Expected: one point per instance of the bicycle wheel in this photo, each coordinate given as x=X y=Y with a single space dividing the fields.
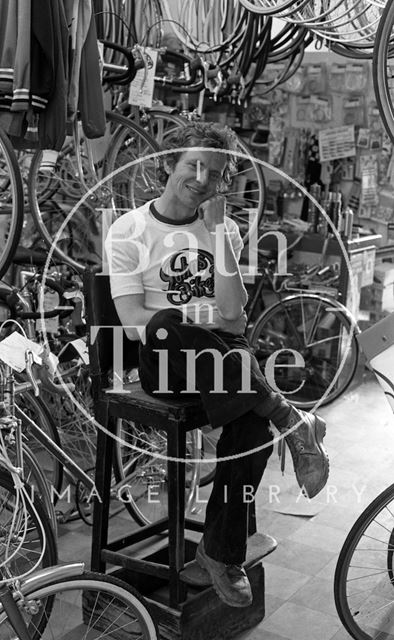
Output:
x=364 y=579
x=141 y=475
x=81 y=165
x=88 y=606
x=34 y=476
x=74 y=425
x=246 y=195
x=160 y=124
x=134 y=149
x=318 y=331
x=383 y=67
x=11 y=203
x=28 y=544
x=36 y=410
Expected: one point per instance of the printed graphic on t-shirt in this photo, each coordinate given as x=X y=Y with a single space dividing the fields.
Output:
x=188 y=272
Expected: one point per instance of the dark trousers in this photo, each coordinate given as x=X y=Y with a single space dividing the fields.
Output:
x=228 y=399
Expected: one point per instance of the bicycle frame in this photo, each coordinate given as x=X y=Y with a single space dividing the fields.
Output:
x=57 y=452
x=335 y=305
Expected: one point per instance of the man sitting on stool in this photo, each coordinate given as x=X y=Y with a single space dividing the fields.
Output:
x=174 y=271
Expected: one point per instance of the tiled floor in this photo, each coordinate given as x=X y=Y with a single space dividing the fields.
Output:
x=299 y=574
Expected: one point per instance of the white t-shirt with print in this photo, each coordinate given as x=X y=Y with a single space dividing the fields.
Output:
x=171 y=263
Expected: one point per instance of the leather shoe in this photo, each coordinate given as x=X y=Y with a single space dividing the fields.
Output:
x=229 y=580
x=305 y=441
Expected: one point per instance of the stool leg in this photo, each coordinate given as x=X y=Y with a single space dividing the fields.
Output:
x=103 y=486
x=252 y=521
x=176 y=448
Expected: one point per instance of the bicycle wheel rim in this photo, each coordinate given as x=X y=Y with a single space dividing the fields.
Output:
x=89 y=606
x=27 y=557
x=363 y=582
x=11 y=203
x=141 y=475
x=321 y=376
x=37 y=410
x=382 y=81
x=134 y=149
x=35 y=478
x=80 y=243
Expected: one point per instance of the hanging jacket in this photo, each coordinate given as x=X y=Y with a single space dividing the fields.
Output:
x=84 y=88
x=78 y=15
x=33 y=66
x=14 y=54
x=49 y=70
x=91 y=101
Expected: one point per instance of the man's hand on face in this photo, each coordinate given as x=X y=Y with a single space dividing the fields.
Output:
x=212 y=211
x=237 y=327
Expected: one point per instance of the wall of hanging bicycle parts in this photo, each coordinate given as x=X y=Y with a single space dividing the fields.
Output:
x=308 y=95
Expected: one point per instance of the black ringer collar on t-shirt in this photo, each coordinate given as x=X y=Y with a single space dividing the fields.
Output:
x=161 y=218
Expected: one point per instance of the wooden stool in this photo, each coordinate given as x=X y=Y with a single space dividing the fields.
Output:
x=145 y=560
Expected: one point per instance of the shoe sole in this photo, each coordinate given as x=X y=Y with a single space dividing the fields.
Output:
x=204 y=565
x=320 y=430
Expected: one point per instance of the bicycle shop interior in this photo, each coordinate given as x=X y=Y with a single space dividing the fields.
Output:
x=89 y=91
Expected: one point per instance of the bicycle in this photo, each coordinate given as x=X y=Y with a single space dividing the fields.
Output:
x=57 y=600
x=364 y=575
x=82 y=165
x=64 y=600
x=306 y=319
x=382 y=68
x=73 y=454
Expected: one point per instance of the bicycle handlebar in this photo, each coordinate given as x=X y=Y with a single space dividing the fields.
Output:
x=122 y=75
x=44 y=315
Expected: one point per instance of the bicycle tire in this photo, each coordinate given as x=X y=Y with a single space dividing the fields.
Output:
x=11 y=203
x=284 y=326
x=382 y=80
x=52 y=196
x=34 y=476
x=160 y=124
x=364 y=609
x=246 y=191
x=101 y=605
x=76 y=430
x=25 y=559
x=142 y=477
x=37 y=410
x=137 y=183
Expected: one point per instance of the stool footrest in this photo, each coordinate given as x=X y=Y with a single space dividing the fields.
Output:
x=204 y=617
x=259 y=546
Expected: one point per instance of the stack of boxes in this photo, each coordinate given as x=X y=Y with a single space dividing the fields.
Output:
x=377 y=299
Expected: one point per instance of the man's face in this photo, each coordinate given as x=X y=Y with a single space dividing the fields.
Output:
x=196 y=176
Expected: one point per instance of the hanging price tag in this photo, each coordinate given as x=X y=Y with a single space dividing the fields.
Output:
x=142 y=86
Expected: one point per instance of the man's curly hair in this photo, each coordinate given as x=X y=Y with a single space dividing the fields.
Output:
x=200 y=134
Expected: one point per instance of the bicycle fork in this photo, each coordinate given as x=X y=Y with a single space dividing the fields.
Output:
x=13 y=612
x=12 y=606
